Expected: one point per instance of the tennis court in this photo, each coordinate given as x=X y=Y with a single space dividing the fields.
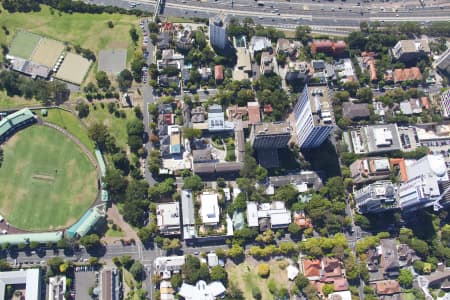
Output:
x=73 y=68
x=47 y=52
x=23 y=44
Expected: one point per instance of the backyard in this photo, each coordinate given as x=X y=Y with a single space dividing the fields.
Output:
x=246 y=278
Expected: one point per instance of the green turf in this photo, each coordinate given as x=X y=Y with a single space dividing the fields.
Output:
x=71 y=123
x=117 y=126
x=47 y=182
x=23 y=44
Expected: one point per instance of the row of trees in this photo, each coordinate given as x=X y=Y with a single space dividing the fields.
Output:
x=48 y=92
x=68 y=6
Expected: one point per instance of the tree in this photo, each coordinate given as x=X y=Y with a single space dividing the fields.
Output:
x=4 y=265
x=365 y=95
x=191 y=133
x=137 y=270
x=263 y=270
x=99 y=134
x=235 y=251
x=294 y=229
x=193 y=182
x=351 y=87
x=135 y=127
x=302 y=32
x=301 y=281
x=83 y=110
x=115 y=183
x=218 y=273
x=125 y=79
x=103 y=81
x=327 y=289
x=249 y=168
x=287 y=194
x=176 y=280
x=234 y=293
x=134 y=35
x=135 y=142
x=445 y=234
x=261 y=173
x=90 y=241
x=256 y=293
x=121 y=162
x=126 y=261
x=405 y=278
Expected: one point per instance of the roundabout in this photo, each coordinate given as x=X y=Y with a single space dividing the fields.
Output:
x=48 y=181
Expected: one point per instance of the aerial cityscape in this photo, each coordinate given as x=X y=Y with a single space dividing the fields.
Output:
x=224 y=149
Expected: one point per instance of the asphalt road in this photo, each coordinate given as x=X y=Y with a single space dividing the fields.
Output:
x=321 y=15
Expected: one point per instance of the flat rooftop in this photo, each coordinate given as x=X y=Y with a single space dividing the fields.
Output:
x=321 y=106
x=273 y=128
x=168 y=214
x=381 y=138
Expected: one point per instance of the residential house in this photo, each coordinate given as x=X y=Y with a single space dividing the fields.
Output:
x=168 y=218
x=213 y=259
x=218 y=73
x=268 y=215
x=216 y=119
x=355 y=111
x=411 y=107
x=198 y=114
x=185 y=39
x=209 y=209
x=344 y=295
x=302 y=220
x=188 y=220
x=368 y=63
x=389 y=258
x=166 y=291
x=163 y=40
x=386 y=288
x=328 y=47
x=205 y=73
x=344 y=69
x=254 y=114
x=287 y=47
x=166 y=265
x=408 y=50
x=298 y=70
x=267 y=65
x=243 y=68
x=311 y=268
x=170 y=59
x=370 y=169
x=402 y=75
x=259 y=44
x=292 y=272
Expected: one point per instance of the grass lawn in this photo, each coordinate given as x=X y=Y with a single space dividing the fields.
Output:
x=408 y=296
x=19 y=102
x=114 y=233
x=53 y=181
x=245 y=277
x=69 y=122
x=23 y=44
x=117 y=126
x=77 y=28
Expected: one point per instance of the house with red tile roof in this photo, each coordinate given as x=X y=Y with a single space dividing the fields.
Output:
x=301 y=220
x=311 y=268
x=326 y=46
x=409 y=74
x=254 y=115
x=218 y=73
x=386 y=287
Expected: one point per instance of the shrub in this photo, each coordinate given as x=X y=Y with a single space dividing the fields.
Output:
x=264 y=270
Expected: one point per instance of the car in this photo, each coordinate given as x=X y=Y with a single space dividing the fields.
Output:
x=196 y=253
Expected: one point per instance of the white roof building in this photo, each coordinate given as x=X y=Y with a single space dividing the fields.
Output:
x=168 y=218
x=420 y=191
x=202 y=291
x=292 y=272
x=210 y=211
x=166 y=264
x=280 y=219
x=431 y=164
x=29 y=277
x=213 y=259
x=56 y=287
x=252 y=214
x=345 y=295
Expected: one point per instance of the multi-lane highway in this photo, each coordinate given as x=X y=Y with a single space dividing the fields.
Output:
x=320 y=14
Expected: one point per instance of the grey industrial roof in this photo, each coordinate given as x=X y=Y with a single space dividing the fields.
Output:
x=28 y=277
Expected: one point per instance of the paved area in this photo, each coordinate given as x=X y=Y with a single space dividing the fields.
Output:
x=116 y=217
x=83 y=281
x=112 y=60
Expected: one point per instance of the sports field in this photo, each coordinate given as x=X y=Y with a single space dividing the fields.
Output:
x=23 y=44
x=47 y=181
x=47 y=52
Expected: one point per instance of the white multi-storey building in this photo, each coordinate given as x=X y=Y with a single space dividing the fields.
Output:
x=218 y=32
x=314 y=117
